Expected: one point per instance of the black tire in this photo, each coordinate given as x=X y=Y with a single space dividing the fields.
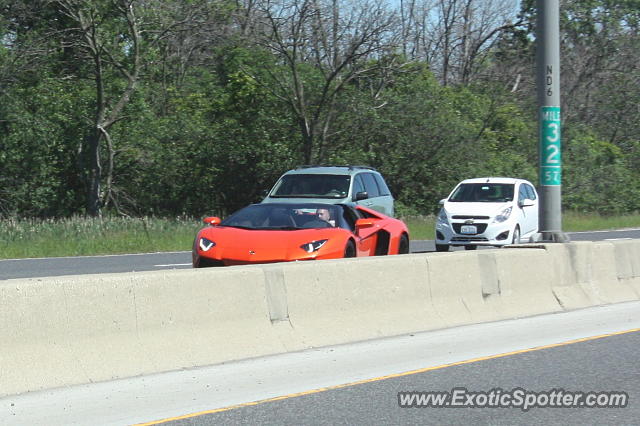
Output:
x=350 y=249
x=470 y=247
x=516 y=236
x=442 y=247
x=403 y=247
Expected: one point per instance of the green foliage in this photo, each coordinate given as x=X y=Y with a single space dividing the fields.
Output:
x=607 y=185
x=210 y=126
x=425 y=138
x=39 y=173
x=215 y=145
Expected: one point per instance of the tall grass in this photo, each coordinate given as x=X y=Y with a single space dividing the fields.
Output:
x=422 y=227
x=78 y=236
x=578 y=221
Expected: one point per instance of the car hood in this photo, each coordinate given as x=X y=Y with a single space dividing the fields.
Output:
x=265 y=245
x=475 y=209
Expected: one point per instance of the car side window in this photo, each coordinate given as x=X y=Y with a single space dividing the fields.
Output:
x=522 y=193
x=531 y=193
x=370 y=185
x=382 y=185
x=358 y=185
x=349 y=217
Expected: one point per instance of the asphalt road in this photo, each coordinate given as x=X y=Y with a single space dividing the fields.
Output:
x=607 y=364
x=594 y=349
x=48 y=267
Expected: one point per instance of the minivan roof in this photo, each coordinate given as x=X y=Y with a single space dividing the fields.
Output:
x=329 y=170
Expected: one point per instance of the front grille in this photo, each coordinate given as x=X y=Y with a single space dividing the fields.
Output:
x=463 y=239
x=481 y=227
x=470 y=217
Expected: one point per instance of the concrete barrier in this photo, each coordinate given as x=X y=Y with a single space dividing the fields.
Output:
x=627 y=255
x=526 y=278
x=338 y=301
x=68 y=330
x=595 y=267
x=461 y=285
x=565 y=287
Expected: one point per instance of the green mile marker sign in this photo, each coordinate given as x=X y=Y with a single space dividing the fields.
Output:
x=550 y=147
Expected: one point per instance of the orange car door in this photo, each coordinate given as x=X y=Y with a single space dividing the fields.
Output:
x=366 y=231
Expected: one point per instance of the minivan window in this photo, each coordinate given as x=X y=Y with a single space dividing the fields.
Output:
x=370 y=185
x=483 y=193
x=382 y=186
x=358 y=185
x=312 y=186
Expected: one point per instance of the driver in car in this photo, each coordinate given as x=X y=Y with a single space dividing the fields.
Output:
x=325 y=214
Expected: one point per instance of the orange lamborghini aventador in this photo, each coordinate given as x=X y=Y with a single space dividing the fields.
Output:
x=264 y=233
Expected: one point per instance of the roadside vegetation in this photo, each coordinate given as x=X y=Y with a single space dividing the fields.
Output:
x=82 y=236
x=576 y=221
x=422 y=227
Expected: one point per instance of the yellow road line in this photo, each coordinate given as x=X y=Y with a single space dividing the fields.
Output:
x=390 y=376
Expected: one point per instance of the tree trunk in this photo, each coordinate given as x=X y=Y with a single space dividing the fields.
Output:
x=307 y=141
x=95 y=176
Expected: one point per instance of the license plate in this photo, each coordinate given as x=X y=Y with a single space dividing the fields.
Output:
x=468 y=229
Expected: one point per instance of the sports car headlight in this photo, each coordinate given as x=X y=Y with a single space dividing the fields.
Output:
x=206 y=244
x=442 y=215
x=504 y=215
x=313 y=246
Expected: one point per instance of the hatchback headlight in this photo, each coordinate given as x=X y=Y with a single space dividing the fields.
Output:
x=503 y=215
x=206 y=244
x=442 y=215
x=313 y=246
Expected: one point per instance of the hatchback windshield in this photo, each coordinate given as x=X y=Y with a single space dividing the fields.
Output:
x=286 y=217
x=313 y=186
x=483 y=193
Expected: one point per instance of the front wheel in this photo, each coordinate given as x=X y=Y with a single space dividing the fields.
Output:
x=350 y=249
x=516 y=236
x=403 y=248
x=442 y=247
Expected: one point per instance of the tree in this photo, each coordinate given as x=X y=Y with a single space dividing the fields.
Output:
x=455 y=37
x=108 y=35
x=321 y=46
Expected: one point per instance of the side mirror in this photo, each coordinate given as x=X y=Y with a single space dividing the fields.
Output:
x=213 y=221
x=362 y=196
x=441 y=202
x=264 y=193
x=526 y=203
x=365 y=223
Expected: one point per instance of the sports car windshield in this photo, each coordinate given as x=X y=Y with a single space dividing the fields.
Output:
x=483 y=193
x=286 y=217
x=312 y=186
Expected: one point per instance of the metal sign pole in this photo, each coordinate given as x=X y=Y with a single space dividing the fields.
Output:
x=549 y=119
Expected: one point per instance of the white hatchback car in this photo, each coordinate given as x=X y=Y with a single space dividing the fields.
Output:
x=491 y=211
